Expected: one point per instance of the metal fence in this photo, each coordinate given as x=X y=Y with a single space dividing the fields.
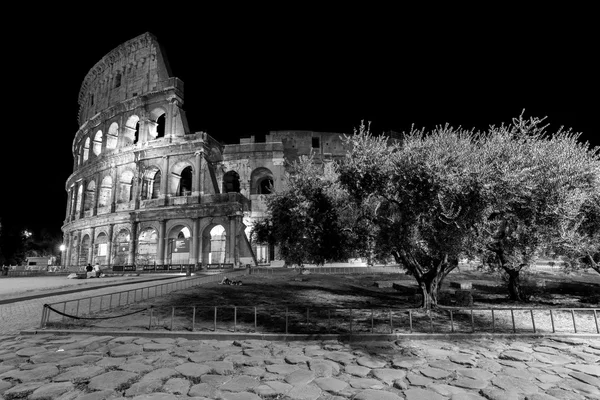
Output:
x=77 y=309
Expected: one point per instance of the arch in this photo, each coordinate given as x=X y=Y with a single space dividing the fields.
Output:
x=74 y=246
x=84 y=250
x=214 y=244
x=131 y=131
x=185 y=182
x=121 y=248
x=147 y=246
x=156 y=127
x=151 y=183
x=231 y=182
x=112 y=136
x=101 y=248
x=90 y=196
x=125 y=187
x=178 y=245
x=105 y=192
x=97 y=146
x=261 y=181
x=86 y=149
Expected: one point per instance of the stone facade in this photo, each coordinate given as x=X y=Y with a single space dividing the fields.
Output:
x=147 y=191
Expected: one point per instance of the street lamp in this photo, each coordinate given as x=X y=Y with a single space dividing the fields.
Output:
x=62 y=250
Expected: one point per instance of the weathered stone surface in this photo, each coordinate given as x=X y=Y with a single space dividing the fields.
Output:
x=340 y=357
x=203 y=390
x=5 y=385
x=79 y=374
x=304 y=392
x=442 y=364
x=515 y=384
x=435 y=373
x=499 y=394
x=137 y=367
x=585 y=378
x=463 y=359
x=112 y=380
x=99 y=395
x=54 y=356
x=357 y=370
x=51 y=390
x=476 y=373
x=22 y=390
x=564 y=394
x=143 y=387
x=555 y=359
x=215 y=380
x=417 y=380
x=469 y=383
x=445 y=390
x=541 y=396
x=239 y=396
x=281 y=369
x=331 y=385
x=35 y=374
x=253 y=371
x=240 y=383
x=371 y=394
x=388 y=375
x=109 y=362
x=204 y=356
x=321 y=368
x=370 y=362
x=296 y=359
x=177 y=386
x=156 y=396
x=593 y=370
x=466 y=396
x=193 y=370
x=257 y=352
x=273 y=388
x=158 y=346
x=300 y=377
x=515 y=355
x=79 y=360
x=569 y=340
x=126 y=350
x=160 y=374
x=366 y=383
x=30 y=351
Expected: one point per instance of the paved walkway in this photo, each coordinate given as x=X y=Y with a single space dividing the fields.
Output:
x=46 y=366
x=23 y=315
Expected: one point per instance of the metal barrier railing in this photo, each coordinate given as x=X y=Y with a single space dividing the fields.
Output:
x=76 y=308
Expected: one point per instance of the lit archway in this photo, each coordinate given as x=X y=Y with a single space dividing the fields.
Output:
x=147 y=247
x=121 y=247
x=178 y=245
x=214 y=245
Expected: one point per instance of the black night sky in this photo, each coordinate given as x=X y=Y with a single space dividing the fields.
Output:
x=298 y=69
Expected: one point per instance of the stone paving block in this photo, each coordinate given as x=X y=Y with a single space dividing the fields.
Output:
x=21 y=390
x=51 y=390
x=357 y=370
x=304 y=392
x=372 y=394
x=242 y=383
x=112 y=380
x=177 y=386
x=193 y=370
x=366 y=383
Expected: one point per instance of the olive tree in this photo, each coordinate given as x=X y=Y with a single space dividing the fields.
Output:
x=538 y=187
x=420 y=198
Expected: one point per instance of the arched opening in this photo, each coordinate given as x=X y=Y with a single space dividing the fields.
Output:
x=160 y=126
x=261 y=181
x=97 y=148
x=90 y=196
x=147 y=247
x=214 y=245
x=231 y=182
x=84 y=250
x=125 y=184
x=185 y=182
x=86 y=149
x=136 y=134
x=131 y=131
x=178 y=245
x=112 y=136
x=121 y=248
x=151 y=184
x=105 y=192
x=101 y=249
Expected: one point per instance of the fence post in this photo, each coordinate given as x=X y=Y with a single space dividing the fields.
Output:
x=573 y=315
x=286 y=320
x=552 y=320
x=90 y=307
x=172 y=316
x=596 y=321
x=329 y=319
x=512 y=315
x=351 y=321
x=493 y=322
x=64 y=310
x=391 y=322
x=215 y=328
x=150 y=322
x=452 y=321
x=43 y=316
x=255 y=318
x=410 y=320
x=532 y=320
x=307 y=320
x=77 y=309
x=472 y=322
x=194 y=318
x=371 y=320
x=431 y=321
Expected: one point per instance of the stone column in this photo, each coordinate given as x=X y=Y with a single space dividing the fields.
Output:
x=115 y=186
x=97 y=196
x=65 y=255
x=109 y=245
x=198 y=183
x=78 y=251
x=132 y=244
x=162 y=225
x=92 y=244
x=69 y=199
x=74 y=200
x=232 y=239
x=82 y=204
x=195 y=240
x=137 y=183
x=164 y=184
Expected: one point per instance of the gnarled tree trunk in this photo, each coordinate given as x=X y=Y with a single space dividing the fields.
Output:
x=514 y=284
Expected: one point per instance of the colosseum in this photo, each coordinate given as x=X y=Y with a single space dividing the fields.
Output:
x=148 y=193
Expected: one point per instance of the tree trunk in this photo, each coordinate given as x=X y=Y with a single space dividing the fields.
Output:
x=514 y=284
x=429 y=285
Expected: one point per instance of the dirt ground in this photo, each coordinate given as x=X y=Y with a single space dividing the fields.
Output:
x=286 y=301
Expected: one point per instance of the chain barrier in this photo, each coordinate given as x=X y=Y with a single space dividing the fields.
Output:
x=76 y=317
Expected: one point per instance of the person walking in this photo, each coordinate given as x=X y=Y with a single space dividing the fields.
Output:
x=97 y=270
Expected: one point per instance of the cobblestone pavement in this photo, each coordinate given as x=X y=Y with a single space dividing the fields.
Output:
x=27 y=314
x=72 y=366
